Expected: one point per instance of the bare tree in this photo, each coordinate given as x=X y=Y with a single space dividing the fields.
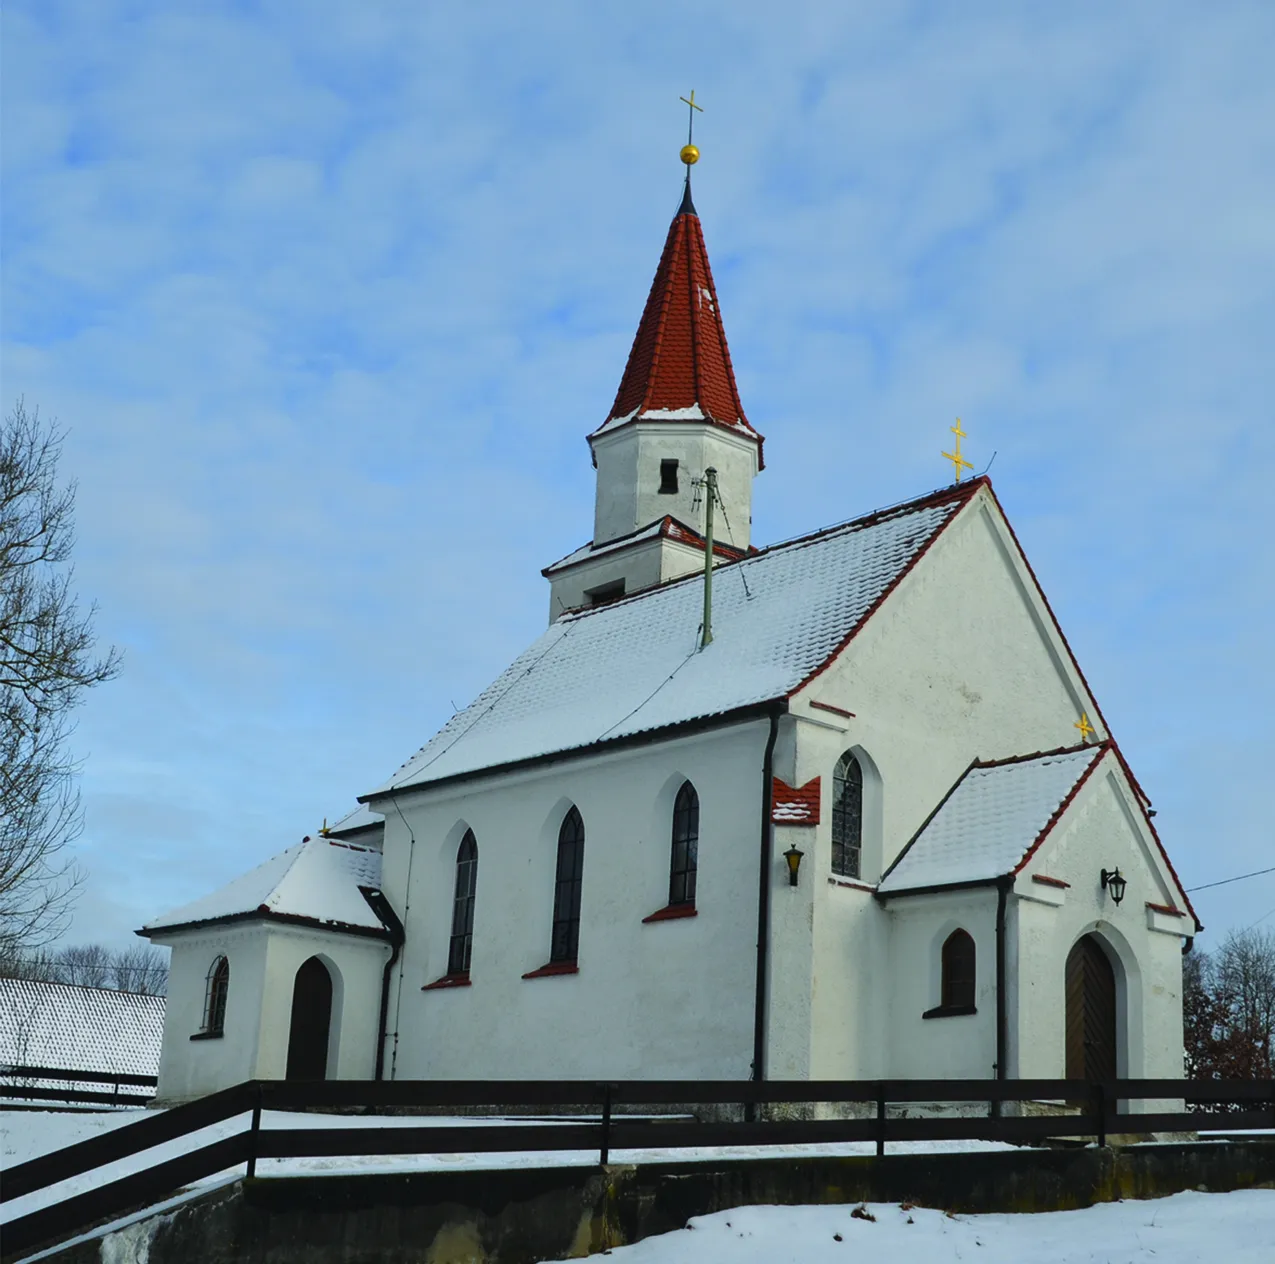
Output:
x=140 y=968
x=1228 y=1002
x=47 y=660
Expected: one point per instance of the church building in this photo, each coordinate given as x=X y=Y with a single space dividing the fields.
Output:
x=853 y=812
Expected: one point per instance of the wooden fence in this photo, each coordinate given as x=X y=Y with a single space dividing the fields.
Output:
x=1094 y=1110
x=19 y=1082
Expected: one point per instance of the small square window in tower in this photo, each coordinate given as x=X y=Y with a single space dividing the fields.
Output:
x=668 y=476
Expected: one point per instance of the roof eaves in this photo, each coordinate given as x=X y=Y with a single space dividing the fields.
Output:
x=263 y=914
x=967 y=884
x=721 y=719
x=1146 y=816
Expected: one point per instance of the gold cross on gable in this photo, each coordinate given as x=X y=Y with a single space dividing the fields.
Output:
x=955 y=455
x=1087 y=730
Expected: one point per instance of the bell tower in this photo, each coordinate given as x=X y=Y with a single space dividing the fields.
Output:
x=677 y=413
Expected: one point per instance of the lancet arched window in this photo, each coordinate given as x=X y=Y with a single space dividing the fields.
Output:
x=566 y=894
x=462 y=942
x=847 y=816
x=685 y=860
x=216 y=986
x=958 y=971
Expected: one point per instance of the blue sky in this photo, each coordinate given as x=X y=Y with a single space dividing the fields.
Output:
x=328 y=296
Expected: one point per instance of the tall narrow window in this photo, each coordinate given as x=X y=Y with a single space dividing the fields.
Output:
x=681 y=885
x=958 y=971
x=847 y=816
x=216 y=985
x=668 y=476
x=463 y=906
x=566 y=895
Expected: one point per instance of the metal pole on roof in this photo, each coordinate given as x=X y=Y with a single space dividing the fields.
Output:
x=710 y=494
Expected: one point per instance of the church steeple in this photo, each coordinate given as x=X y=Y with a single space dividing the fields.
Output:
x=676 y=415
x=679 y=367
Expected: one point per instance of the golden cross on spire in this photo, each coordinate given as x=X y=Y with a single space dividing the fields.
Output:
x=690 y=155
x=955 y=455
x=1087 y=730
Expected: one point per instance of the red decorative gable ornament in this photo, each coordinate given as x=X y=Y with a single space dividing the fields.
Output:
x=679 y=368
x=794 y=805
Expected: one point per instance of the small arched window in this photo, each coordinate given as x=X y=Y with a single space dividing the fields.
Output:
x=847 y=816
x=463 y=906
x=216 y=985
x=682 y=870
x=566 y=894
x=958 y=971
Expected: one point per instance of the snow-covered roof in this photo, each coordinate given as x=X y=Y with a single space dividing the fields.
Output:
x=362 y=818
x=317 y=881
x=79 y=1028
x=990 y=820
x=635 y=665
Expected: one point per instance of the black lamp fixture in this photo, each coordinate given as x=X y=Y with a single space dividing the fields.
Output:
x=1115 y=882
x=793 y=856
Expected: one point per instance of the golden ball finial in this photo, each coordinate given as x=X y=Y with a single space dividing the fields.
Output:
x=690 y=155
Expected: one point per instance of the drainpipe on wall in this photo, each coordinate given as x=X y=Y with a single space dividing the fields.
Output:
x=389 y=919
x=1003 y=886
x=763 y=902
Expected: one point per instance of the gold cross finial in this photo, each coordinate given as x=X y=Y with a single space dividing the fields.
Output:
x=690 y=155
x=1087 y=730
x=955 y=455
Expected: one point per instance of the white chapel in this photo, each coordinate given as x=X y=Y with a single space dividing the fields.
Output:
x=853 y=813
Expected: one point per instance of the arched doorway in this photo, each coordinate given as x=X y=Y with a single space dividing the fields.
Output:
x=311 y=1022
x=1091 y=1012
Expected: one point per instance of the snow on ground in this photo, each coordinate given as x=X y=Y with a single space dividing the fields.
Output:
x=1189 y=1228
x=24 y=1134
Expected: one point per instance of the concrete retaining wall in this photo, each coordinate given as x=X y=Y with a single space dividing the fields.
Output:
x=524 y=1215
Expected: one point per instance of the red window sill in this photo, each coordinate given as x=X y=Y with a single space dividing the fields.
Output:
x=554 y=967
x=671 y=911
x=1046 y=881
x=449 y=981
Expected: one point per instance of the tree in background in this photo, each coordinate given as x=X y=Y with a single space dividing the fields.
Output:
x=141 y=968
x=47 y=661
x=1228 y=1004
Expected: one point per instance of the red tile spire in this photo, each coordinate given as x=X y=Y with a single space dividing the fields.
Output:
x=680 y=362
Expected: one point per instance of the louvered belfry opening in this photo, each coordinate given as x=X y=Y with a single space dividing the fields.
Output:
x=1091 y=1012
x=311 y=1022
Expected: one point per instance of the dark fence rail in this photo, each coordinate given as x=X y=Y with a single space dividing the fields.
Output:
x=1084 y=1109
x=12 y=1085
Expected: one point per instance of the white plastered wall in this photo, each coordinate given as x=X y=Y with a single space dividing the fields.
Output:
x=264 y=957
x=665 y=999
x=1101 y=829
x=960 y=662
x=951 y=1047
x=628 y=488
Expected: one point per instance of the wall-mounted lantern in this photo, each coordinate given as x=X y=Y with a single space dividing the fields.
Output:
x=793 y=856
x=1114 y=881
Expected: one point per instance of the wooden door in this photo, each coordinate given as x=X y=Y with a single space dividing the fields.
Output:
x=311 y=1022
x=1091 y=1012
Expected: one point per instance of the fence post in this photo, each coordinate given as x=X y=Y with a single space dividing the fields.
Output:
x=880 y=1119
x=1100 y=1107
x=254 y=1131
x=606 y=1124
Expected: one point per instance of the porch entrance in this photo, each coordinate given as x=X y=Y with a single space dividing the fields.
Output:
x=311 y=1022
x=1091 y=1012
